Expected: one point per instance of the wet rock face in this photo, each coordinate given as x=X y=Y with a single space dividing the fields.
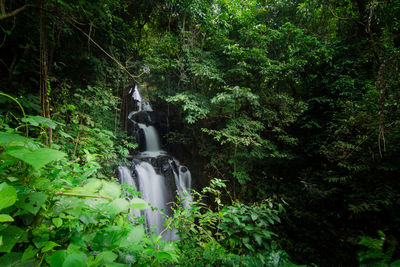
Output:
x=142 y=117
x=166 y=168
x=140 y=139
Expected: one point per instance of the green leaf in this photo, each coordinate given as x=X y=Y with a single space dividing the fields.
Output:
x=254 y=216
x=39 y=120
x=42 y=184
x=57 y=222
x=117 y=206
x=93 y=186
x=110 y=238
x=8 y=195
x=258 y=239
x=87 y=218
x=250 y=247
x=74 y=260
x=11 y=259
x=64 y=134
x=134 y=236
x=57 y=258
x=6 y=218
x=163 y=256
x=11 y=235
x=111 y=189
x=138 y=204
x=12 y=179
x=106 y=257
x=236 y=220
x=8 y=138
x=32 y=202
x=49 y=246
x=30 y=252
x=36 y=158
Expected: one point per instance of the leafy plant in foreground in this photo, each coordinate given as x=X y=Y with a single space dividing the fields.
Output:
x=234 y=235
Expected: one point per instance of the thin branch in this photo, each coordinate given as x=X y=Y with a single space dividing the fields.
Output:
x=342 y=18
x=167 y=227
x=105 y=52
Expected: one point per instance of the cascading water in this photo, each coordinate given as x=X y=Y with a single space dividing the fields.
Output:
x=151 y=137
x=183 y=181
x=155 y=174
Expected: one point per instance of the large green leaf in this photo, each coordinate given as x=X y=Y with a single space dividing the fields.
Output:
x=133 y=237
x=8 y=138
x=11 y=259
x=39 y=120
x=8 y=195
x=106 y=257
x=93 y=186
x=74 y=260
x=32 y=202
x=110 y=238
x=111 y=189
x=87 y=218
x=118 y=205
x=36 y=158
x=11 y=235
x=57 y=258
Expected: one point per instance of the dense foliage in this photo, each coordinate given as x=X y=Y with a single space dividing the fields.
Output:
x=291 y=106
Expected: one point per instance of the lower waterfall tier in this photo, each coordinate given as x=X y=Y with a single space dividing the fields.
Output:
x=160 y=180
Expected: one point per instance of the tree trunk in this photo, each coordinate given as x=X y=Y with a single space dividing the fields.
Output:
x=44 y=69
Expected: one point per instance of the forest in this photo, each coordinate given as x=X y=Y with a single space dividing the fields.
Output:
x=286 y=113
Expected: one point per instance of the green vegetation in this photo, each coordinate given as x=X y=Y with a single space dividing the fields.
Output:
x=291 y=107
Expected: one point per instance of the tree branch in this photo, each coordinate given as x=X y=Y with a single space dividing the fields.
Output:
x=5 y=15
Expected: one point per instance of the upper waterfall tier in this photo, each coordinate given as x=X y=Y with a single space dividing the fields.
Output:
x=151 y=137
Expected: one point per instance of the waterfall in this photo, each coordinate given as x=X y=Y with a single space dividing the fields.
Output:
x=141 y=105
x=159 y=177
x=136 y=95
x=151 y=137
x=154 y=191
x=183 y=181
